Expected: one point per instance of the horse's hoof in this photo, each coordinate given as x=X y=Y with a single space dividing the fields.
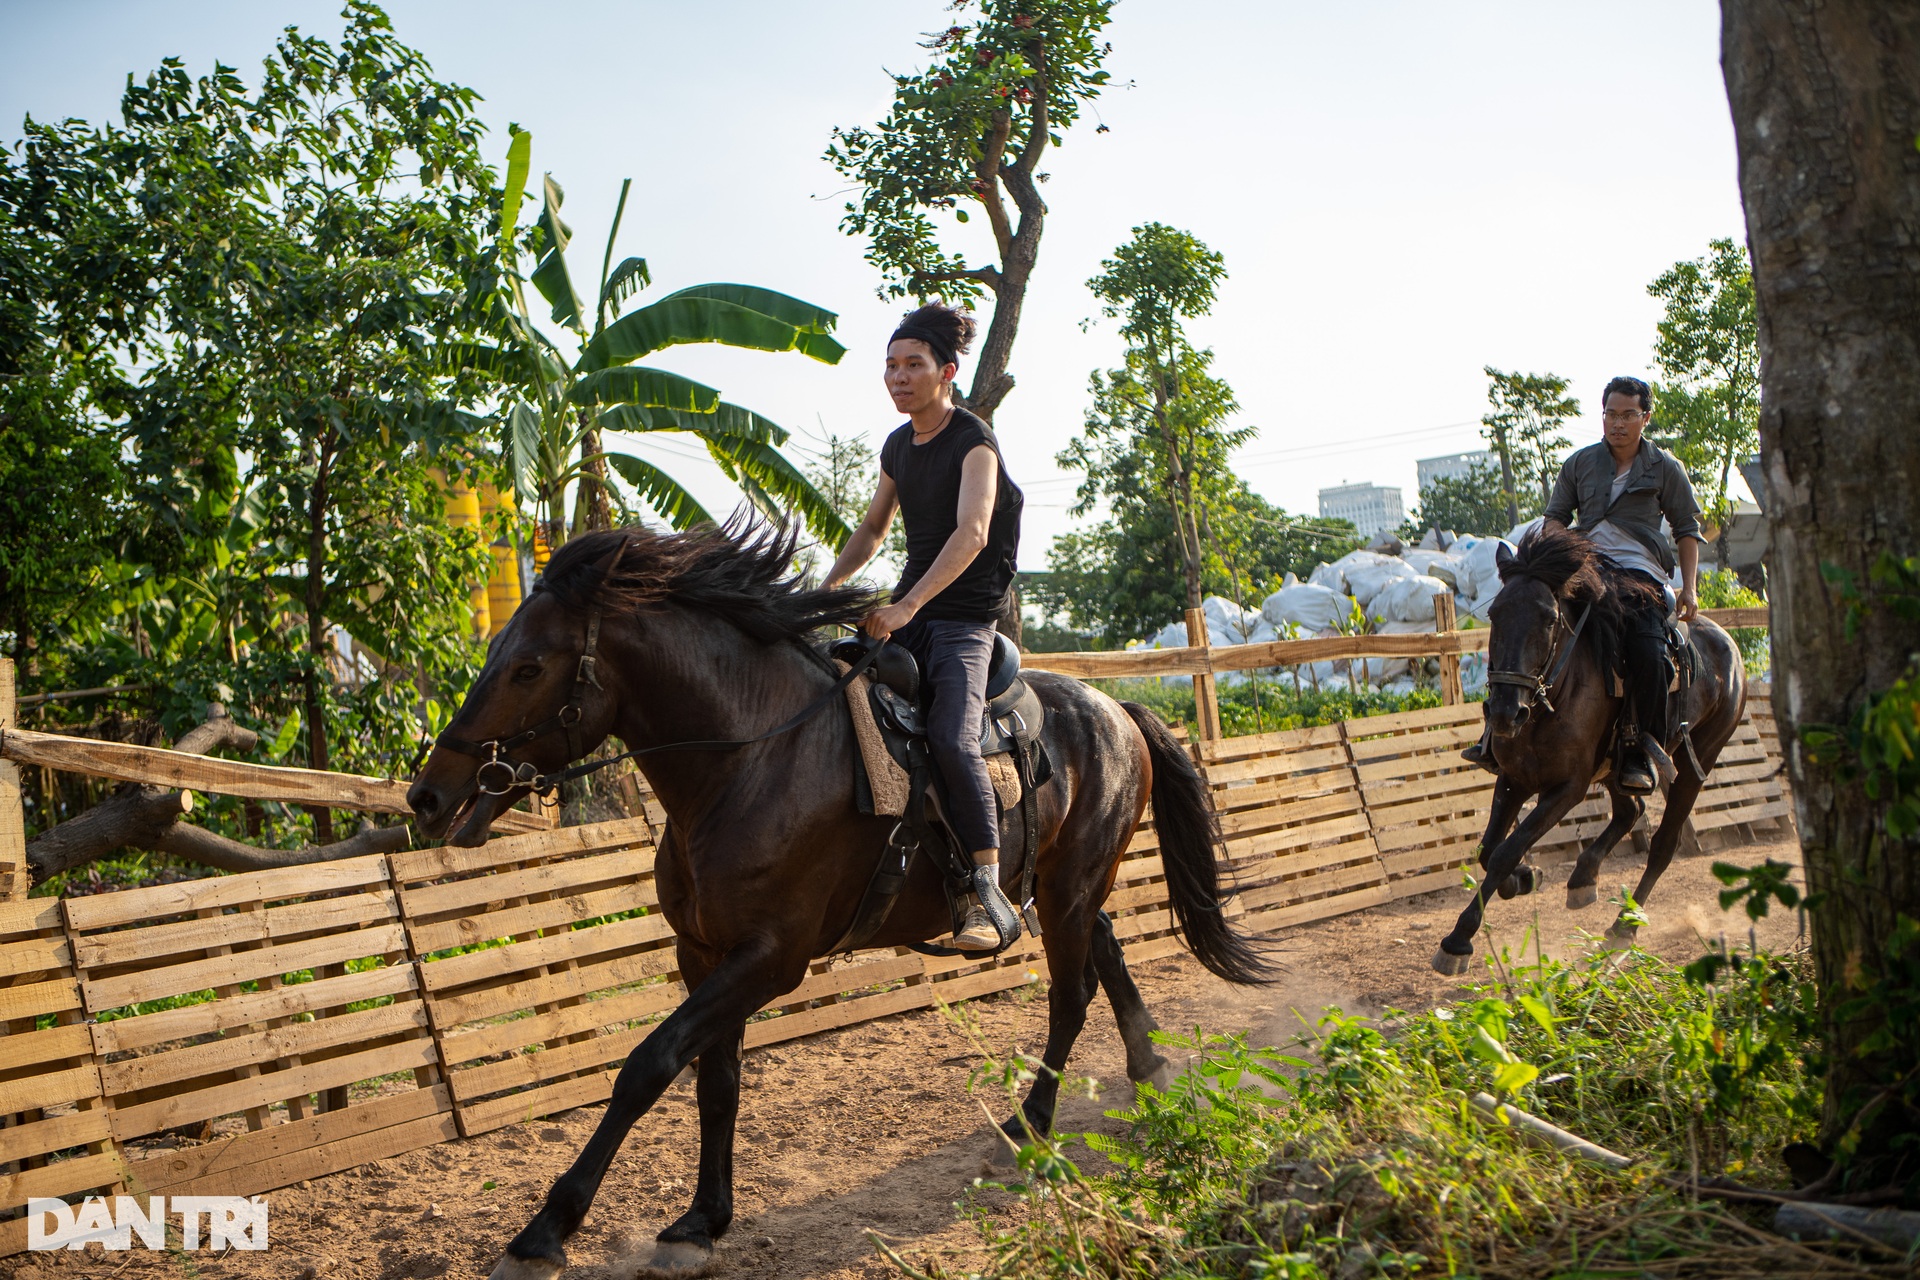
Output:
x=1584 y=896
x=1160 y=1075
x=1526 y=879
x=1450 y=965
x=512 y=1268
x=676 y=1260
x=1510 y=886
x=1620 y=936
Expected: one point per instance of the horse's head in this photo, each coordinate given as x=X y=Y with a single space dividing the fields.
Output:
x=535 y=706
x=1529 y=624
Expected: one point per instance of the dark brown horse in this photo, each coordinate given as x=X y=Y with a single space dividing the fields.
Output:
x=1553 y=729
x=704 y=635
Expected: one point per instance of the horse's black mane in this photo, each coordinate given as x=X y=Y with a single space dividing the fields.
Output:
x=741 y=571
x=1571 y=567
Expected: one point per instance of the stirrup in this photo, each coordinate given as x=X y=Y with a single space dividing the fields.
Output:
x=1636 y=775
x=991 y=903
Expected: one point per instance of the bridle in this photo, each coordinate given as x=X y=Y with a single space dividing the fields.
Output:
x=508 y=775
x=1540 y=684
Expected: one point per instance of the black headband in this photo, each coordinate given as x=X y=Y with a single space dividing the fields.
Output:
x=938 y=343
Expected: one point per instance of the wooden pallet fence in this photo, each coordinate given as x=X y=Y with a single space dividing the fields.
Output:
x=258 y=1029
x=56 y=1140
x=544 y=960
x=14 y=877
x=1426 y=806
x=1298 y=843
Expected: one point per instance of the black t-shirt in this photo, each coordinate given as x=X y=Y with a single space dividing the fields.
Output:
x=927 y=477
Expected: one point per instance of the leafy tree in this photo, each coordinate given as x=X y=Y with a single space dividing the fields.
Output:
x=967 y=135
x=1524 y=428
x=1155 y=281
x=1131 y=572
x=1709 y=355
x=1474 y=503
x=289 y=260
x=559 y=407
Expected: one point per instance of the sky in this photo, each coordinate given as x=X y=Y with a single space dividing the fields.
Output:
x=1404 y=192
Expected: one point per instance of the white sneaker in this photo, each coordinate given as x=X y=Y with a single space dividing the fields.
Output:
x=976 y=930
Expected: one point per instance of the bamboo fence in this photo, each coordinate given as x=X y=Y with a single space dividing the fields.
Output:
x=233 y=1035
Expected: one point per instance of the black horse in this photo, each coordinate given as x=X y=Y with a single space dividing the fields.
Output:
x=1558 y=628
x=704 y=635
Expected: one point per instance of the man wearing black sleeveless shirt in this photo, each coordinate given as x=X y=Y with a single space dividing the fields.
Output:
x=943 y=472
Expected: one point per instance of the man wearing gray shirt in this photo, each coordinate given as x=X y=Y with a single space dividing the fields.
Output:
x=1621 y=487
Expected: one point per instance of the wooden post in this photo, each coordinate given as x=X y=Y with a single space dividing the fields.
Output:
x=14 y=880
x=1206 y=700
x=1452 y=691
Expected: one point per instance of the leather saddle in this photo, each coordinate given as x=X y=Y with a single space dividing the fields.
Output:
x=1014 y=714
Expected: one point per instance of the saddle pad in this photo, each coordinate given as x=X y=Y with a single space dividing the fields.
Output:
x=888 y=780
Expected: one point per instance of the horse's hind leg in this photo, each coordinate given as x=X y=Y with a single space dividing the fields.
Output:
x=1680 y=797
x=1137 y=1026
x=1069 y=961
x=1581 y=888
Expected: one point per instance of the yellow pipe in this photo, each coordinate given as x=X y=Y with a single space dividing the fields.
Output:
x=503 y=584
x=463 y=512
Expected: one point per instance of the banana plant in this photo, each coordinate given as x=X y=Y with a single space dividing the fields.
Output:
x=559 y=408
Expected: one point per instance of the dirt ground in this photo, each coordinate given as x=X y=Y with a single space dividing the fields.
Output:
x=872 y=1126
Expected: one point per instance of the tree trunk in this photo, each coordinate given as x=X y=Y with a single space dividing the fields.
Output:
x=317 y=625
x=594 y=506
x=1506 y=481
x=1826 y=107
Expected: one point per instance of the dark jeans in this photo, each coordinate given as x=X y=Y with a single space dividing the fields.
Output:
x=1646 y=660
x=953 y=658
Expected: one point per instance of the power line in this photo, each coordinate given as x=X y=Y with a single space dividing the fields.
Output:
x=1324 y=449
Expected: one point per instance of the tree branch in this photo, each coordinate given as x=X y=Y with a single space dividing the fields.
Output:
x=1037 y=127
x=210 y=849
x=988 y=275
x=987 y=171
x=139 y=816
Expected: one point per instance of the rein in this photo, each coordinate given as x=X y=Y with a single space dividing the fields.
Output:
x=508 y=775
x=1541 y=684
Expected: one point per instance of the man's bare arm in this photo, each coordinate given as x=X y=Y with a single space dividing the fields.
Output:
x=867 y=537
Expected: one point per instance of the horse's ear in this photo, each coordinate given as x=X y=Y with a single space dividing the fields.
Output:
x=1502 y=557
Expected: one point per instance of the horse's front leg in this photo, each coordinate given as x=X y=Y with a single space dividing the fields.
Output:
x=1456 y=949
x=1505 y=807
x=711 y=1017
x=686 y=1247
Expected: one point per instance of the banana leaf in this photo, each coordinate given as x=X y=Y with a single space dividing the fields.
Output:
x=629 y=278
x=550 y=273
x=779 y=478
x=725 y=420
x=662 y=492
x=653 y=388
x=673 y=321
x=801 y=315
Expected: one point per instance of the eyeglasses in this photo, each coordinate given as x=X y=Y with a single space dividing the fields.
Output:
x=1624 y=415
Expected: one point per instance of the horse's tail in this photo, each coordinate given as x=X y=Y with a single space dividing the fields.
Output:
x=1189 y=836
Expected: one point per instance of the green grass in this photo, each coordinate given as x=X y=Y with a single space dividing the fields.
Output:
x=1357 y=1153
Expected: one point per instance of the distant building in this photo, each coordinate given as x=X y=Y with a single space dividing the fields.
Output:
x=1453 y=466
x=1371 y=507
